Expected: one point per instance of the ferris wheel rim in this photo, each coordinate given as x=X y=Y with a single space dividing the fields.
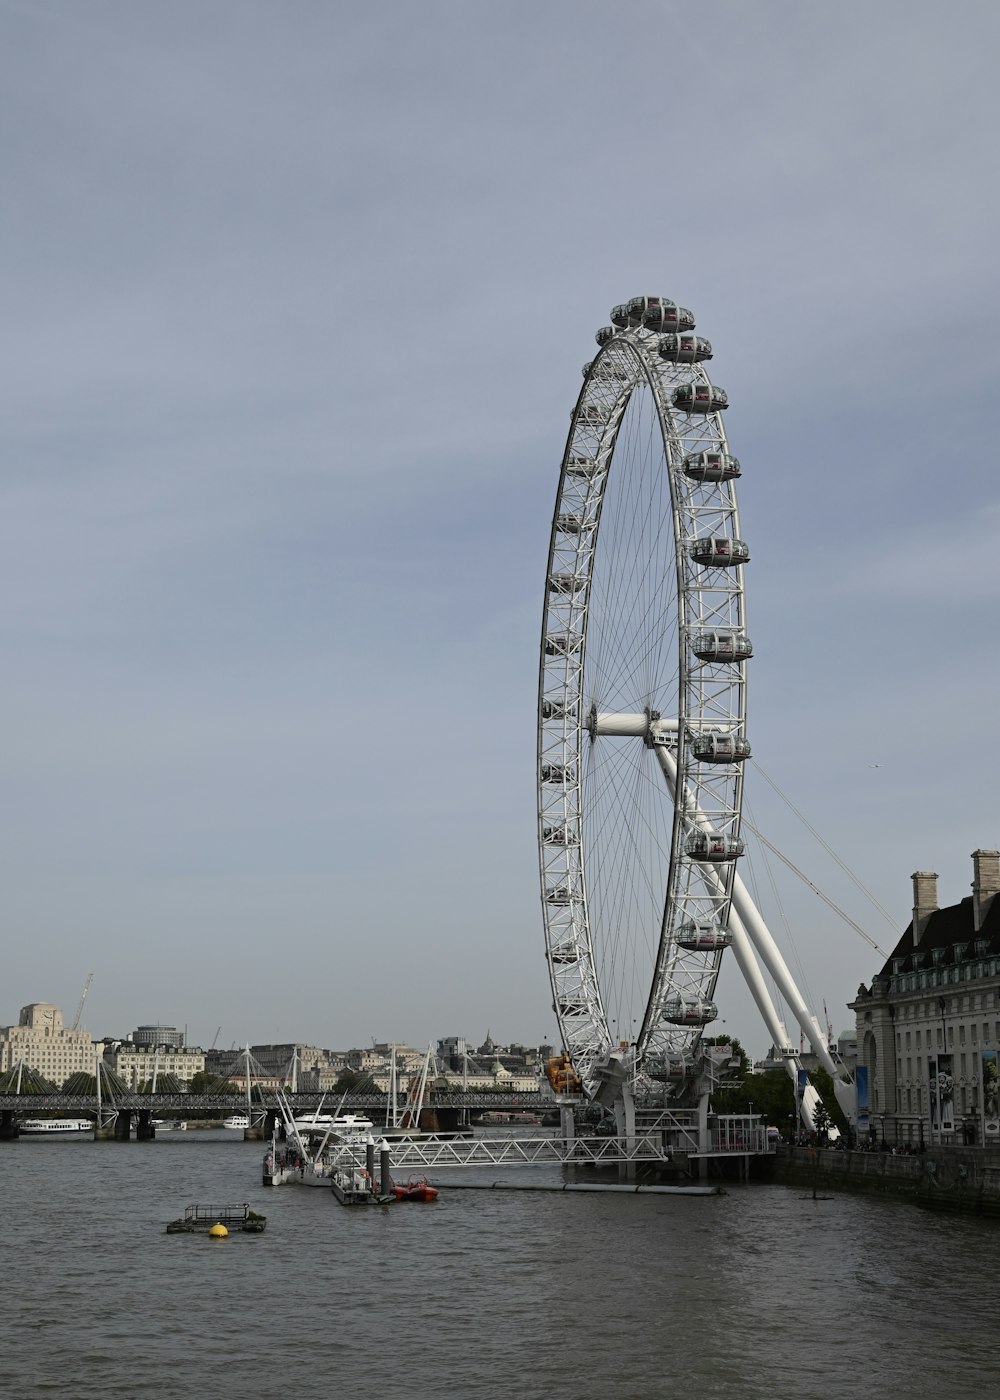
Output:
x=625 y=365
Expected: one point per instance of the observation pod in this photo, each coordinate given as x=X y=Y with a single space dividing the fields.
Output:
x=713 y=847
x=566 y=583
x=593 y=413
x=711 y=466
x=559 y=836
x=721 y=646
x=557 y=773
x=689 y=1011
x=563 y=954
x=585 y=467
x=703 y=938
x=571 y=1006
x=719 y=551
x=667 y=1071
x=574 y=524
x=588 y=366
x=567 y=644
x=720 y=748
x=605 y=334
x=557 y=709
x=619 y=317
x=684 y=349
x=667 y=316
x=557 y=894
x=700 y=398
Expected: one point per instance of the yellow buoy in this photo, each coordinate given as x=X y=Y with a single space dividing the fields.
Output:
x=218 y=1232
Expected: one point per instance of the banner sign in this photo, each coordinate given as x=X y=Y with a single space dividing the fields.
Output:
x=990 y=1080
x=941 y=1085
x=861 y=1094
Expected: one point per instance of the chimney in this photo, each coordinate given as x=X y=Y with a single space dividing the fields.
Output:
x=925 y=901
x=985 y=884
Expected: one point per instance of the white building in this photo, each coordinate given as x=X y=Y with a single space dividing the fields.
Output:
x=40 y=1041
x=138 y=1064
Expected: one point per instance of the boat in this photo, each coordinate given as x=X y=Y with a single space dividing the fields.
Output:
x=352 y=1186
x=56 y=1127
x=417 y=1188
x=170 y=1125
x=342 y=1128
x=201 y=1219
x=237 y=1120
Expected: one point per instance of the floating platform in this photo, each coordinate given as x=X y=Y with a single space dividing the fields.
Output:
x=199 y=1220
x=637 y=1190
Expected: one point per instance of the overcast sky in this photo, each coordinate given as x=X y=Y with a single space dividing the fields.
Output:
x=295 y=300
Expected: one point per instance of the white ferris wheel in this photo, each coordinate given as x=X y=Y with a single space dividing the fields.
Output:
x=642 y=732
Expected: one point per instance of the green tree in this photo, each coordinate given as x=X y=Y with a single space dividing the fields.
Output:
x=206 y=1083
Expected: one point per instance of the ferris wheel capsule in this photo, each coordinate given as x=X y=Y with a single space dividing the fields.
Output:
x=711 y=466
x=700 y=398
x=721 y=646
x=668 y=316
x=567 y=583
x=592 y=413
x=573 y=523
x=619 y=317
x=563 y=644
x=556 y=773
x=719 y=551
x=703 y=938
x=689 y=1011
x=684 y=349
x=666 y=1070
x=720 y=748
x=713 y=847
x=605 y=334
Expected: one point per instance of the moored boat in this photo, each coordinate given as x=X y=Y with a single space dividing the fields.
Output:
x=56 y=1127
x=237 y=1121
x=417 y=1188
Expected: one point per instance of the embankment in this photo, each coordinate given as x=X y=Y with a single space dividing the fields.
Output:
x=963 y=1179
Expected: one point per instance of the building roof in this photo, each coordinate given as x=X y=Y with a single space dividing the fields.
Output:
x=949 y=936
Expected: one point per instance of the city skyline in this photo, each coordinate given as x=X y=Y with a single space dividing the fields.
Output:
x=297 y=304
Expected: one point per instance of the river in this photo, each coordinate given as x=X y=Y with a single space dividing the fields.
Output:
x=761 y=1292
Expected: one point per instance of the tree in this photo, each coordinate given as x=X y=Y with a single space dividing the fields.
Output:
x=206 y=1083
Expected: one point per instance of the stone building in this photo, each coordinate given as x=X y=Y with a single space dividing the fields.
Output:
x=42 y=1042
x=928 y=1027
x=138 y=1065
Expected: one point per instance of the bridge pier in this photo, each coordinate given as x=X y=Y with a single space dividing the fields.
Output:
x=8 y=1125
x=144 y=1129
x=624 y=1107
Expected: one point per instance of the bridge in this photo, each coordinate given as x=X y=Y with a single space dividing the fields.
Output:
x=115 y=1115
x=663 y=1137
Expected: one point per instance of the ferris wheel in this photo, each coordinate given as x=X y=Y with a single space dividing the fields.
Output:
x=642 y=702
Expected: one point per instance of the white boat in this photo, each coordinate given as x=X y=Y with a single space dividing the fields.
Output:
x=170 y=1125
x=238 y=1120
x=338 y=1128
x=56 y=1127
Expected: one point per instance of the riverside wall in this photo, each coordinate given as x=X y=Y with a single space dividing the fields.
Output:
x=950 y=1178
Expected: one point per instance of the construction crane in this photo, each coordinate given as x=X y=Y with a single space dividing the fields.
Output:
x=83 y=998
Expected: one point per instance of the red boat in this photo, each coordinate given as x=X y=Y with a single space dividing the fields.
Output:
x=417 y=1188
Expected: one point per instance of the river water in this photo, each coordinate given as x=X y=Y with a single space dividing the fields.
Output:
x=762 y=1292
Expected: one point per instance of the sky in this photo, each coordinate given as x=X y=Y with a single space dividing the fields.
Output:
x=296 y=298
